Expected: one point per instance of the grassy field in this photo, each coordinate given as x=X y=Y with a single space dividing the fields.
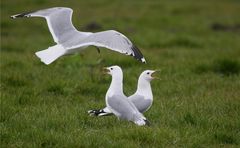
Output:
x=196 y=102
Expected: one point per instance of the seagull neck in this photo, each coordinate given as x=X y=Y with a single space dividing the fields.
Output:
x=144 y=87
x=116 y=85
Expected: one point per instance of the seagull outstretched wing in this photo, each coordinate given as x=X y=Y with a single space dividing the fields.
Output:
x=115 y=41
x=59 y=20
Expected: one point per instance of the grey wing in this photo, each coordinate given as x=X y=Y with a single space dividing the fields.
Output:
x=116 y=41
x=121 y=107
x=59 y=20
x=140 y=102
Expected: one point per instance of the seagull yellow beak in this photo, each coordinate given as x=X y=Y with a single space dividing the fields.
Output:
x=105 y=70
x=153 y=75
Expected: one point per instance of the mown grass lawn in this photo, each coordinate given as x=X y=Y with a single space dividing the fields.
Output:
x=196 y=102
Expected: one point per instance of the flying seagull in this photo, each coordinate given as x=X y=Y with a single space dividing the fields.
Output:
x=69 y=40
x=142 y=98
x=118 y=103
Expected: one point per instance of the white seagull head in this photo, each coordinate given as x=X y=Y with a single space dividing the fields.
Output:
x=149 y=75
x=113 y=70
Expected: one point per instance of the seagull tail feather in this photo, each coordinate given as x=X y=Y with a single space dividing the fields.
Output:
x=49 y=55
x=140 y=121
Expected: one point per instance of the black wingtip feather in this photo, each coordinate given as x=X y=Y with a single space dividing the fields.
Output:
x=24 y=14
x=98 y=112
x=147 y=122
x=137 y=54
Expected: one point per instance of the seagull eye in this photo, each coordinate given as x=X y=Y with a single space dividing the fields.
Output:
x=111 y=68
x=148 y=73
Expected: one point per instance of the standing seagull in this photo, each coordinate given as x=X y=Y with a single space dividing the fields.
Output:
x=118 y=103
x=142 y=98
x=69 y=40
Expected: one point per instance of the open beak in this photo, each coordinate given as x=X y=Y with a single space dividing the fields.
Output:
x=105 y=70
x=153 y=75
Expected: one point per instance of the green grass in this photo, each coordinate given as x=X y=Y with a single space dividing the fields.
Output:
x=196 y=102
